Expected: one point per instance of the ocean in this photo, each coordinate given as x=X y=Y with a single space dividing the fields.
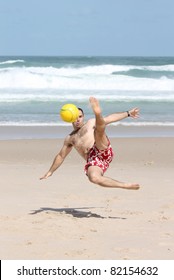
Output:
x=33 y=89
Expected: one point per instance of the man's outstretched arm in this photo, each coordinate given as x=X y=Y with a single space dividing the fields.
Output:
x=133 y=113
x=58 y=160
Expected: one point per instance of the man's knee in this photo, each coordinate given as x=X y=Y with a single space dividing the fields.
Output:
x=100 y=129
x=94 y=178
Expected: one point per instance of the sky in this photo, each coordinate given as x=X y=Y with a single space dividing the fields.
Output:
x=87 y=27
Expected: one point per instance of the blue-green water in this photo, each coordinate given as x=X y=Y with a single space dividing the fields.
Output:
x=33 y=89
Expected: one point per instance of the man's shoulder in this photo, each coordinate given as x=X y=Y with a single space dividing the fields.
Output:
x=67 y=140
x=90 y=122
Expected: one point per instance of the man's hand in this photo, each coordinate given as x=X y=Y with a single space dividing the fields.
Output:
x=48 y=174
x=134 y=113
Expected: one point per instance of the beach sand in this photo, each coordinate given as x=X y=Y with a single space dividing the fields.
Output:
x=67 y=217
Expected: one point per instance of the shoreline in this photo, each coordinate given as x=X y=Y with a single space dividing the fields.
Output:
x=58 y=132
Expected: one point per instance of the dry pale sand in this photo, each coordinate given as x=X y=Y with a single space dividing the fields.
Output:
x=67 y=217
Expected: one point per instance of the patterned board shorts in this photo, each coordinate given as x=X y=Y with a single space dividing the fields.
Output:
x=100 y=158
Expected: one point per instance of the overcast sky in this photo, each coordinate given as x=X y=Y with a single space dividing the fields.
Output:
x=87 y=27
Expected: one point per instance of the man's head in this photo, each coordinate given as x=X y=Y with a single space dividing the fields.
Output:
x=79 y=122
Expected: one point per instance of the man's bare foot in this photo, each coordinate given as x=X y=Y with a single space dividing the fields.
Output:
x=95 y=105
x=132 y=186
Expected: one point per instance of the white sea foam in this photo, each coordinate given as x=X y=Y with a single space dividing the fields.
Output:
x=61 y=123
x=12 y=61
x=84 y=78
x=83 y=96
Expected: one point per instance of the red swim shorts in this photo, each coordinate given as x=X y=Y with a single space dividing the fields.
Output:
x=100 y=158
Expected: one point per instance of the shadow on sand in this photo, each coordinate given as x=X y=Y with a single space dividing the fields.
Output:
x=75 y=212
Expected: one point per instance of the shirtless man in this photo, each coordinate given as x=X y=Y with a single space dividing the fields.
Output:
x=91 y=142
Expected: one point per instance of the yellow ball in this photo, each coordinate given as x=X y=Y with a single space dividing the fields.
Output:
x=69 y=113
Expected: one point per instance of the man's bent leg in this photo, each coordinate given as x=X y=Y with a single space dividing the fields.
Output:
x=95 y=175
x=101 y=139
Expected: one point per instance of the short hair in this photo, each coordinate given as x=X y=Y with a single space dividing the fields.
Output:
x=81 y=110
